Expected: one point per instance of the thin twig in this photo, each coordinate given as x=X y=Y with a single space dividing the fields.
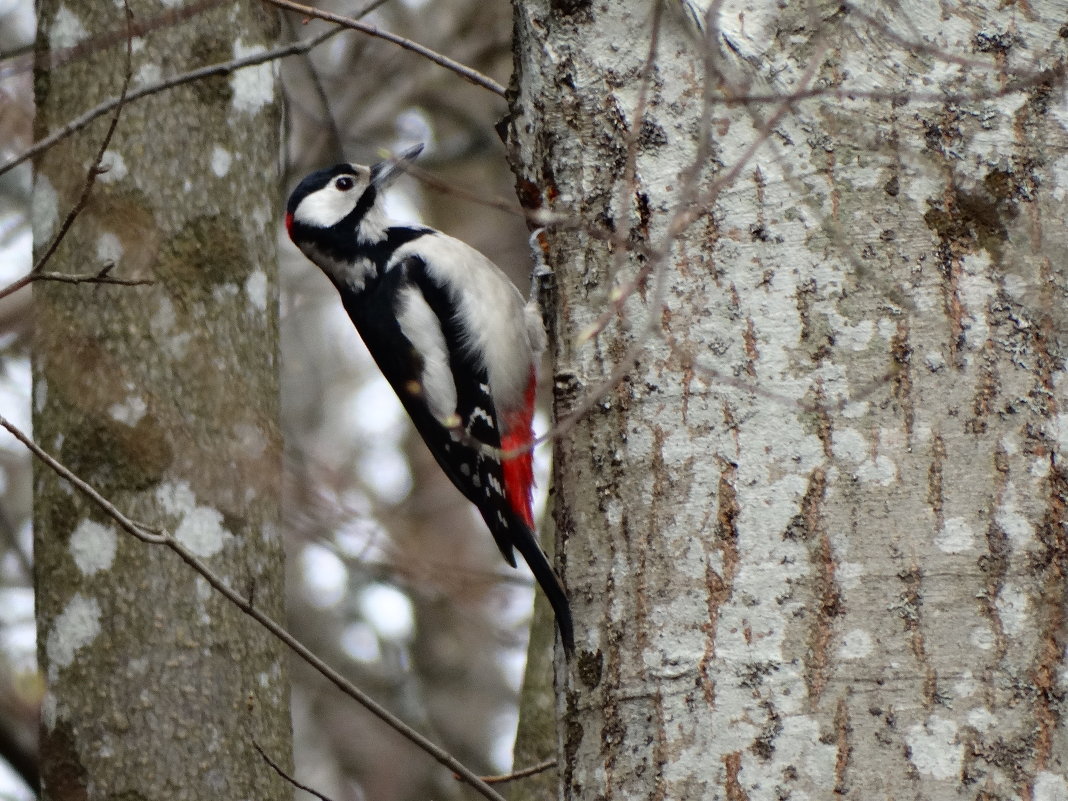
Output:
x=917 y=44
x=67 y=278
x=1053 y=75
x=465 y=72
x=138 y=530
x=336 y=141
x=278 y=769
x=161 y=537
x=91 y=278
x=689 y=208
x=524 y=773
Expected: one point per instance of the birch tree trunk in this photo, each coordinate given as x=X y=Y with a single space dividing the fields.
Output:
x=814 y=535
x=165 y=399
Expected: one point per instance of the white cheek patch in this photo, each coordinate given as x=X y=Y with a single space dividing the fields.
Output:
x=326 y=207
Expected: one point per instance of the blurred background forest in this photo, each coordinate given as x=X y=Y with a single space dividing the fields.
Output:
x=391 y=577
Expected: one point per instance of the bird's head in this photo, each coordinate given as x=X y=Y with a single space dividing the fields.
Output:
x=340 y=206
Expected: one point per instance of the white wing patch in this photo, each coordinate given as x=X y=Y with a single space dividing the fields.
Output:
x=490 y=307
x=478 y=413
x=422 y=328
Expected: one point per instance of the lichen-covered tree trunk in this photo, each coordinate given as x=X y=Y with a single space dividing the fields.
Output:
x=164 y=398
x=815 y=537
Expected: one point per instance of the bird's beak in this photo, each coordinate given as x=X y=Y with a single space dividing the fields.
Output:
x=384 y=173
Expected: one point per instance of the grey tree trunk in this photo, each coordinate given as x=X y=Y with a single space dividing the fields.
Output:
x=815 y=535
x=165 y=398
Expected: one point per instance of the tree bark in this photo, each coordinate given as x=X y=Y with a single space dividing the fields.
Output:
x=536 y=733
x=164 y=398
x=814 y=536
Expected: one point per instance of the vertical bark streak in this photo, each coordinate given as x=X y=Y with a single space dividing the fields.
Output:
x=912 y=614
x=1054 y=626
x=901 y=375
x=719 y=586
x=808 y=526
x=732 y=762
x=843 y=747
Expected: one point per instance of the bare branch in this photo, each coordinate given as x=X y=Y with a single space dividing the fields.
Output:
x=1054 y=75
x=465 y=72
x=915 y=45
x=278 y=769
x=78 y=278
x=160 y=537
x=132 y=527
x=523 y=773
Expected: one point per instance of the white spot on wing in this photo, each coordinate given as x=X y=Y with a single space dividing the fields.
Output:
x=478 y=413
x=423 y=329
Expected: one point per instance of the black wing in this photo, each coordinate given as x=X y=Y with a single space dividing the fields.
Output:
x=475 y=471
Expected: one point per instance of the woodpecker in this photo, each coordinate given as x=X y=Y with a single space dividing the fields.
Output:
x=452 y=336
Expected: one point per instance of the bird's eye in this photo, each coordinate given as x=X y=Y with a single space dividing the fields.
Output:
x=344 y=183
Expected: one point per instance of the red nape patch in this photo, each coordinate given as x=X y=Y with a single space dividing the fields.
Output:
x=519 y=470
x=289 y=224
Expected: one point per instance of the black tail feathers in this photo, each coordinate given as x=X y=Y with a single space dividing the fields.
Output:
x=550 y=584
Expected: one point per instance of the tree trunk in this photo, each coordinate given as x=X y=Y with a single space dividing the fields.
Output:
x=814 y=536
x=164 y=398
